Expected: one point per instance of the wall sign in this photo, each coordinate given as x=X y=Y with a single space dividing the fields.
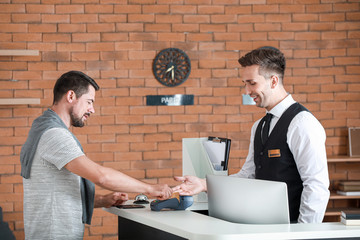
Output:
x=169 y=100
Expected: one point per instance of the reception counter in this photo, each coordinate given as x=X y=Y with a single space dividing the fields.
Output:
x=142 y=223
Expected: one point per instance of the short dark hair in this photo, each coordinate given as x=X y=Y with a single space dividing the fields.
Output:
x=269 y=59
x=73 y=80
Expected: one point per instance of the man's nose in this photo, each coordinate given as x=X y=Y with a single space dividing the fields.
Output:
x=92 y=110
x=247 y=90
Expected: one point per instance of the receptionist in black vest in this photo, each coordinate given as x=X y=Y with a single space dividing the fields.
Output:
x=286 y=145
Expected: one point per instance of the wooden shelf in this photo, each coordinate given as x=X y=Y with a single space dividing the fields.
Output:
x=19 y=101
x=19 y=52
x=333 y=212
x=344 y=159
x=337 y=211
x=335 y=196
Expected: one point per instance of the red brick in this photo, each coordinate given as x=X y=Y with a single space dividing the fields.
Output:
x=196 y=19
x=157 y=27
x=169 y=146
x=157 y=119
x=187 y=27
x=141 y=18
x=127 y=8
x=42 y=28
x=243 y=9
x=168 y=18
x=73 y=8
x=53 y=37
x=82 y=56
x=40 y=8
x=158 y=137
x=143 y=37
x=346 y=7
x=127 y=138
x=6 y=18
x=144 y=164
x=26 y=18
x=51 y=18
x=101 y=27
x=151 y=173
x=172 y=128
x=68 y=66
x=86 y=37
x=13 y=27
x=321 y=62
x=182 y=9
x=351 y=16
x=162 y=9
x=71 y=28
x=140 y=147
x=98 y=8
x=143 y=129
x=212 y=28
x=171 y=37
x=185 y=118
x=112 y=18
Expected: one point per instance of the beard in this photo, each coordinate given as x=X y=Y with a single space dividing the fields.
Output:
x=77 y=121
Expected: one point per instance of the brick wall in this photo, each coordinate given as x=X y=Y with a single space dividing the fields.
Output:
x=115 y=41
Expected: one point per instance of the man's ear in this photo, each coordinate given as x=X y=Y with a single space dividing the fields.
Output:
x=70 y=96
x=274 y=81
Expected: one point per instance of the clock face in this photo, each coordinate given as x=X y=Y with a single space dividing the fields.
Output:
x=171 y=67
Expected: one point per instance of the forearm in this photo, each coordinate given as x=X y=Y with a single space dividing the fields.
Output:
x=117 y=181
x=106 y=177
x=98 y=202
x=313 y=204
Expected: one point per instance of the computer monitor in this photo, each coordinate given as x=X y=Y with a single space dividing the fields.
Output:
x=250 y=201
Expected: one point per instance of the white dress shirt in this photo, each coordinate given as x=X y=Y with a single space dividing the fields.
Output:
x=306 y=140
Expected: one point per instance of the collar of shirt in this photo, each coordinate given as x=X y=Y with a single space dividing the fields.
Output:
x=279 y=109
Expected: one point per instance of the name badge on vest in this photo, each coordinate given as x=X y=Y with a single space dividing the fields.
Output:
x=274 y=153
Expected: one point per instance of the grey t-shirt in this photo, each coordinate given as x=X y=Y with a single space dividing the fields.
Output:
x=52 y=200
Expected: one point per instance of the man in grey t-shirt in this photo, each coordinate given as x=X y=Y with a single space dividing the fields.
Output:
x=56 y=201
x=46 y=188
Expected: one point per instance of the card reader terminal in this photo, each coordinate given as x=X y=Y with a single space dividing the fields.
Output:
x=176 y=202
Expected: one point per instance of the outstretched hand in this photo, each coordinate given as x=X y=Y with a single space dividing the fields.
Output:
x=111 y=199
x=160 y=191
x=190 y=185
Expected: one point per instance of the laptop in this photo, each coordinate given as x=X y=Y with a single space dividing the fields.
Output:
x=250 y=201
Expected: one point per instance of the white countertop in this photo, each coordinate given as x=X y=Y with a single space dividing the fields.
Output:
x=192 y=225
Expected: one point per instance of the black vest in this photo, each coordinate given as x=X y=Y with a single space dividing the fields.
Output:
x=274 y=161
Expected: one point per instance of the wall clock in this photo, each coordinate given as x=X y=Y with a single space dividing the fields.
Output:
x=171 y=67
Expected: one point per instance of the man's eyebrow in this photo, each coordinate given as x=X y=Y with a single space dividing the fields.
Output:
x=248 y=80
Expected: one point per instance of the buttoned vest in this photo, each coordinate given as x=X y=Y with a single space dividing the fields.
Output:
x=274 y=160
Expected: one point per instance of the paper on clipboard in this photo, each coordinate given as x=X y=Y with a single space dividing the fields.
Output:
x=216 y=152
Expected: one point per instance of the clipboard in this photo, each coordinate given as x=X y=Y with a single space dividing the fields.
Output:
x=218 y=150
x=196 y=161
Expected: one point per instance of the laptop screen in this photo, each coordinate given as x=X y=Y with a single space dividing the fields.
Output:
x=251 y=201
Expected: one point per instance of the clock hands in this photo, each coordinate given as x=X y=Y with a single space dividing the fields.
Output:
x=172 y=71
